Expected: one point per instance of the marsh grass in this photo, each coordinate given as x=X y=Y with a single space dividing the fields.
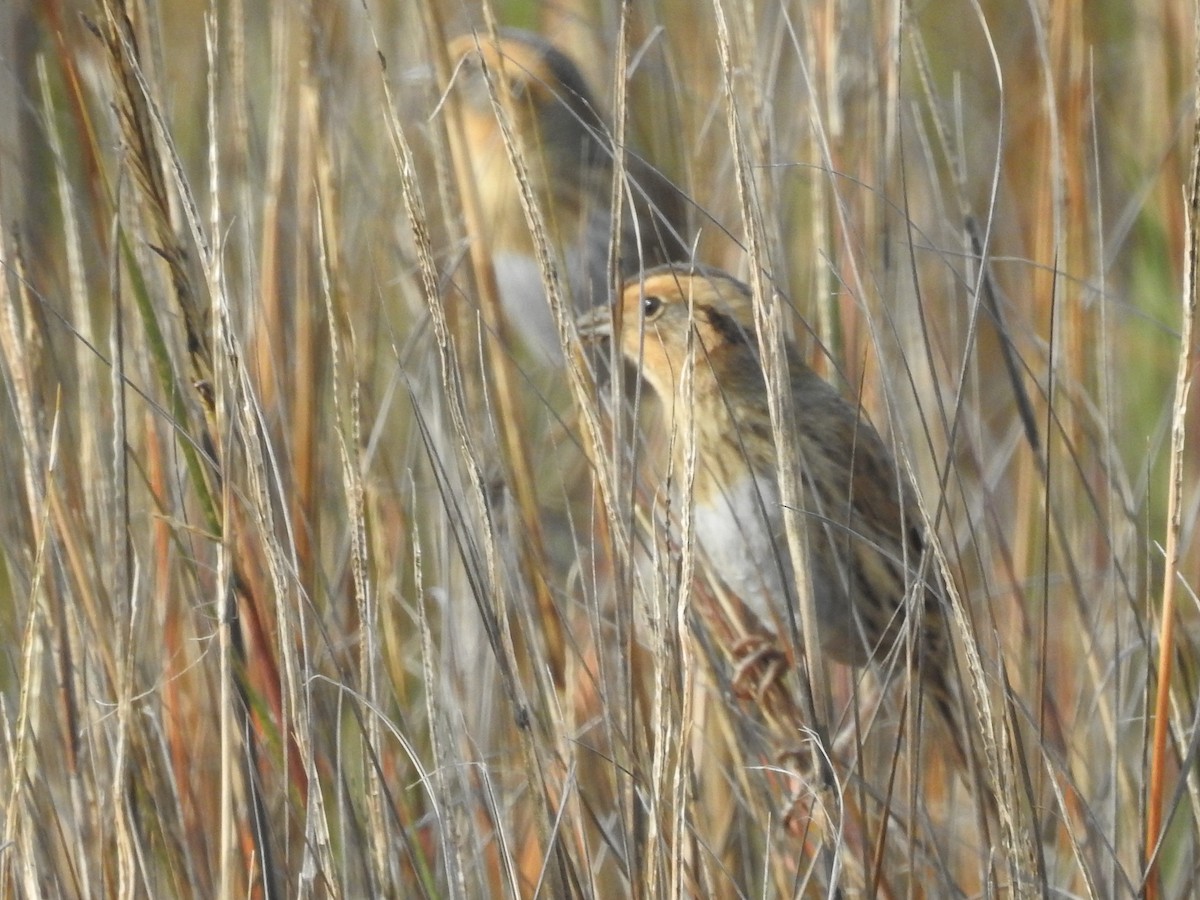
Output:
x=316 y=584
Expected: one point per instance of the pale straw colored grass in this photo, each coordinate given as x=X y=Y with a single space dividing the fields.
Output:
x=316 y=585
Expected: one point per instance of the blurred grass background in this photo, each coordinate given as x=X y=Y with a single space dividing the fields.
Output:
x=271 y=625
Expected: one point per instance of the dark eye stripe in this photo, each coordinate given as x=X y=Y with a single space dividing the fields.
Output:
x=727 y=327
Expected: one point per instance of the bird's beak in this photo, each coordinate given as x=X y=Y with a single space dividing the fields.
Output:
x=595 y=324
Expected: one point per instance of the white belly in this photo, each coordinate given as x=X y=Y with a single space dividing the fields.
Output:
x=523 y=296
x=741 y=533
x=743 y=536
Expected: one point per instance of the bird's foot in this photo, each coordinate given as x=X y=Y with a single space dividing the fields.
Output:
x=810 y=779
x=758 y=665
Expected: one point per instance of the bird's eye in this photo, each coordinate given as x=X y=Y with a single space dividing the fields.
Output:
x=518 y=87
x=651 y=307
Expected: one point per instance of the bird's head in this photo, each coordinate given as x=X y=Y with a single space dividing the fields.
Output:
x=672 y=310
x=552 y=107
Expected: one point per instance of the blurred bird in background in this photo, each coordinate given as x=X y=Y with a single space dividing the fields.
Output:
x=570 y=159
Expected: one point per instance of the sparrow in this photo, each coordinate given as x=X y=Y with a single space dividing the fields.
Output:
x=570 y=159
x=690 y=331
